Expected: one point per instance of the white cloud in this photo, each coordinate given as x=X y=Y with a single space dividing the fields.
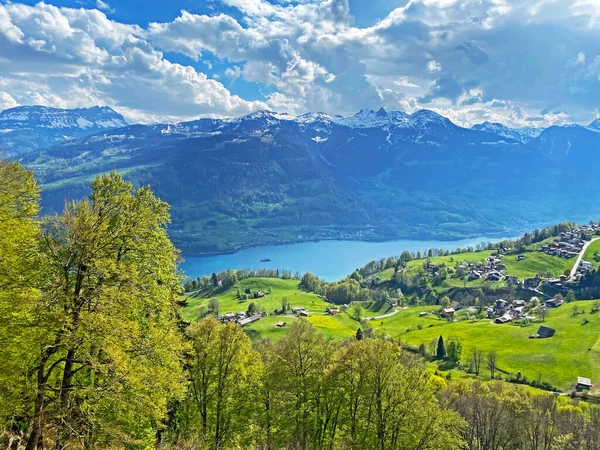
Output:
x=103 y=6
x=434 y=66
x=514 y=61
x=66 y=57
x=6 y=101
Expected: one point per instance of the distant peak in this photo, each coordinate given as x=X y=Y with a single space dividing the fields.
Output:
x=595 y=125
x=381 y=112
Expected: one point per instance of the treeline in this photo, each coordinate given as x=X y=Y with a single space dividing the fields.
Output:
x=229 y=278
x=307 y=392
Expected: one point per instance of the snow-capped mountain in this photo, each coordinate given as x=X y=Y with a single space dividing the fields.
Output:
x=26 y=128
x=384 y=172
x=522 y=135
x=595 y=125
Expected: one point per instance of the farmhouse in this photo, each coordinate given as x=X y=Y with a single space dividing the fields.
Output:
x=448 y=313
x=304 y=313
x=531 y=283
x=553 y=303
x=248 y=320
x=583 y=383
x=259 y=294
x=494 y=275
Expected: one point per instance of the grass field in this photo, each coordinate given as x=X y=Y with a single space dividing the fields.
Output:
x=573 y=351
x=591 y=250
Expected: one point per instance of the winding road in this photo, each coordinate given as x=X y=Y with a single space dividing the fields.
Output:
x=580 y=257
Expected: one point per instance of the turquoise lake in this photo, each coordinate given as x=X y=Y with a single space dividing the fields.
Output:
x=329 y=260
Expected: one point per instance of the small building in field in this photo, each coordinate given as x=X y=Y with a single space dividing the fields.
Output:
x=546 y=332
x=422 y=314
x=583 y=383
x=280 y=324
x=304 y=313
x=553 y=303
x=448 y=313
x=259 y=294
x=494 y=275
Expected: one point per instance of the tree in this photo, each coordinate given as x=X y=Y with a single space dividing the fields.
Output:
x=252 y=309
x=492 y=362
x=359 y=334
x=222 y=364
x=213 y=305
x=357 y=312
x=454 y=350
x=433 y=347
x=20 y=335
x=422 y=350
x=441 y=350
x=109 y=320
x=445 y=302
x=570 y=297
x=285 y=305
x=214 y=279
x=476 y=360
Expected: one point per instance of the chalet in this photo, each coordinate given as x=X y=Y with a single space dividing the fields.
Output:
x=448 y=313
x=518 y=303
x=422 y=314
x=553 y=303
x=500 y=267
x=500 y=305
x=585 y=266
x=297 y=309
x=494 y=275
x=474 y=275
x=229 y=316
x=505 y=318
x=531 y=283
x=259 y=294
x=280 y=324
x=304 y=313
x=583 y=383
x=241 y=315
x=332 y=311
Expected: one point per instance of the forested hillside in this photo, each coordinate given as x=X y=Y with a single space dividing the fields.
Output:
x=272 y=178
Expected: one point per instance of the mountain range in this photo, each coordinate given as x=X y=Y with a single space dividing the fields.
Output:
x=271 y=178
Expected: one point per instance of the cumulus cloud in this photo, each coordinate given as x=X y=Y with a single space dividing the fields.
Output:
x=66 y=57
x=520 y=62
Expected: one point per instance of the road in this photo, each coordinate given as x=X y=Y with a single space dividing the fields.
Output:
x=580 y=257
x=385 y=315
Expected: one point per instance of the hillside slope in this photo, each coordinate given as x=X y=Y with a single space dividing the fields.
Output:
x=270 y=178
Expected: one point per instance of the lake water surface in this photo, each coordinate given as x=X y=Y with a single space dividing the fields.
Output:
x=329 y=260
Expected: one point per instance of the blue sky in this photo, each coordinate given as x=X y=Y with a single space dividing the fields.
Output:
x=522 y=63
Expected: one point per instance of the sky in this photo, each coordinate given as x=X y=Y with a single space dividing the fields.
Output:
x=517 y=62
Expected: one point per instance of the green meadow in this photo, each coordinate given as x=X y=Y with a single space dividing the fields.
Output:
x=573 y=351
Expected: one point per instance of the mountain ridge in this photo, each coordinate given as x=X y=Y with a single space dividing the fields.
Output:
x=270 y=178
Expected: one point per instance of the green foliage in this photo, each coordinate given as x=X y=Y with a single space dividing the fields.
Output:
x=441 y=349
x=103 y=350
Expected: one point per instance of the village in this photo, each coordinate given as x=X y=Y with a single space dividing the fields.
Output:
x=570 y=244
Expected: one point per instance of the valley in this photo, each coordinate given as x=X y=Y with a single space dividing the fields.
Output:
x=269 y=178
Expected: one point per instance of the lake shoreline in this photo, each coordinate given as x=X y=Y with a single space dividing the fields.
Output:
x=494 y=238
